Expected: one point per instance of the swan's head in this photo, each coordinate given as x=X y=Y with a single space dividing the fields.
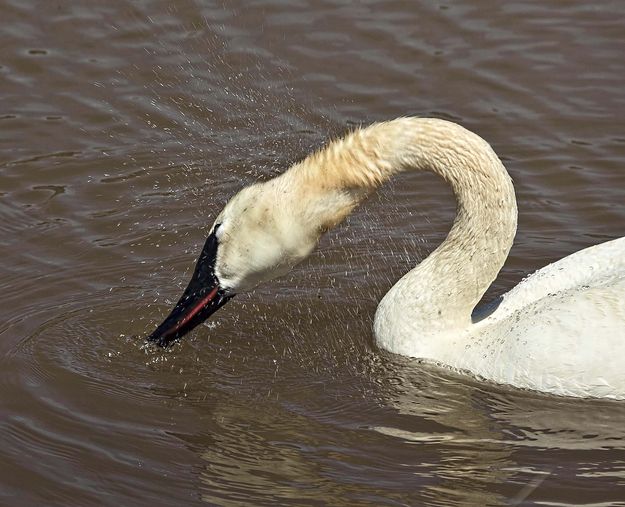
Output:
x=260 y=235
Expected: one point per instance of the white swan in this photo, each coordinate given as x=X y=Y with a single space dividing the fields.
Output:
x=560 y=331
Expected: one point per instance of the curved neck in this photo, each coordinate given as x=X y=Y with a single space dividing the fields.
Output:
x=448 y=284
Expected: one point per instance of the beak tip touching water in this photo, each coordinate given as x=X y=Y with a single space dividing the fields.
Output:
x=159 y=340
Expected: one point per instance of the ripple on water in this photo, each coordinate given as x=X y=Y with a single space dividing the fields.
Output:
x=268 y=416
x=113 y=167
x=85 y=398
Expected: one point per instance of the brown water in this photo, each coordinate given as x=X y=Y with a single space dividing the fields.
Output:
x=126 y=126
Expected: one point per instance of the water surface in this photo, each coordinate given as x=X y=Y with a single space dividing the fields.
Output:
x=124 y=129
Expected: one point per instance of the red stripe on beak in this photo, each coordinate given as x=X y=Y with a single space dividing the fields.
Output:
x=201 y=304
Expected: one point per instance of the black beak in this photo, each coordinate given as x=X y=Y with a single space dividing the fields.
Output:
x=202 y=297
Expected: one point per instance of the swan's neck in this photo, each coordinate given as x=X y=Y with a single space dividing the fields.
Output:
x=442 y=291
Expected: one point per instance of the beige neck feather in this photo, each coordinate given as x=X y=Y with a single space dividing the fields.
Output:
x=450 y=282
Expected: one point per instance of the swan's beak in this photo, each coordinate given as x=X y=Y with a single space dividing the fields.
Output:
x=200 y=300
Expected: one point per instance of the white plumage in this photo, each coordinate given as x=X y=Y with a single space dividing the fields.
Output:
x=560 y=331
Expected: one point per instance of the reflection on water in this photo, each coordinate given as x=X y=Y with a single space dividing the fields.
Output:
x=125 y=127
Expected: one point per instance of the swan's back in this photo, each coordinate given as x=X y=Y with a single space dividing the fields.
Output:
x=561 y=329
x=580 y=269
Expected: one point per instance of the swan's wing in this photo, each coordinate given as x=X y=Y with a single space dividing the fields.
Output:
x=570 y=343
x=562 y=329
x=585 y=268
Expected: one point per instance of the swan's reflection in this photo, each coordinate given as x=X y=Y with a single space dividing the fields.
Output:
x=504 y=445
x=408 y=434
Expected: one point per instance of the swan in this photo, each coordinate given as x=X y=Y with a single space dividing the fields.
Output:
x=560 y=331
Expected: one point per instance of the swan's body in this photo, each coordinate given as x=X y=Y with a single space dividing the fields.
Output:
x=561 y=330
